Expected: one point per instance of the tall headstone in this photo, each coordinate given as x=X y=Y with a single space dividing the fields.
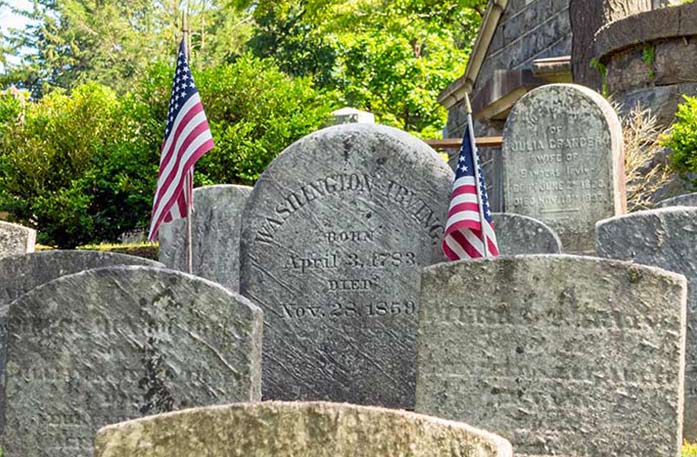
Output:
x=680 y=200
x=16 y=239
x=665 y=238
x=215 y=233
x=587 y=17
x=563 y=162
x=296 y=429
x=118 y=343
x=561 y=355
x=333 y=237
x=516 y=235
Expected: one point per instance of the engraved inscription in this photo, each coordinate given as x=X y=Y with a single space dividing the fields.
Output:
x=559 y=167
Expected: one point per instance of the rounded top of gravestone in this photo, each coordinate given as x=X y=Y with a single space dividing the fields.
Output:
x=110 y=344
x=21 y=273
x=680 y=200
x=336 y=146
x=228 y=188
x=518 y=235
x=279 y=429
x=545 y=100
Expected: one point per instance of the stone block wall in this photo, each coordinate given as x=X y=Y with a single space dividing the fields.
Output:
x=528 y=30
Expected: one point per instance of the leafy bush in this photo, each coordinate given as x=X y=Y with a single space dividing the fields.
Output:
x=81 y=168
x=683 y=138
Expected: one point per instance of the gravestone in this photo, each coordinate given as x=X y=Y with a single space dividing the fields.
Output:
x=333 y=237
x=516 y=235
x=117 y=343
x=680 y=200
x=296 y=429
x=561 y=355
x=563 y=162
x=19 y=274
x=16 y=239
x=665 y=238
x=215 y=233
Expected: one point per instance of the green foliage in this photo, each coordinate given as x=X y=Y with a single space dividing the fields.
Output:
x=689 y=450
x=389 y=58
x=683 y=138
x=648 y=56
x=113 y=42
x=602 y=69
x=82 y=168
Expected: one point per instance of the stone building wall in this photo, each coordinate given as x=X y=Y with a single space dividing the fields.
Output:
x=528 y=30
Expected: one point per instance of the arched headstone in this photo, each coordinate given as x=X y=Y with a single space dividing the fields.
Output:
x=117 y=343
x=333 y=237
x=21 y=273
x=561 y=355
x=680 y=200
x=516 y=235
x=563 y=162
x=296 y=429
x=215 y=232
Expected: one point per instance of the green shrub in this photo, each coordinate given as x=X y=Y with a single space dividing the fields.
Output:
x=683 y=138
x=81 y=168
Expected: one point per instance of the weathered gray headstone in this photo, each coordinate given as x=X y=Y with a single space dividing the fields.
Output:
x=563 y=162
x=296 y=430
x=680 y=200
x=118 y=343
x=16 y=239
x=333 y=237
x=215 y=232
x=561 y=355
x=666 y=238
x=516 y=235
x=21 y=273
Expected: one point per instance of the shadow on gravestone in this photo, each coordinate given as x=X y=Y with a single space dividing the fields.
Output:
x=517 y=235
x=563 y=162
x=296 y=429
x=561 y=355
x=680 y=200
x=215 y=232
x=665 y=238
x=118 y=343
x=333 y=237
x=16 y=239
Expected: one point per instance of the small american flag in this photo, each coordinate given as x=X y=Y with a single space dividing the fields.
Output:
x=463 y=231
x=187 y=138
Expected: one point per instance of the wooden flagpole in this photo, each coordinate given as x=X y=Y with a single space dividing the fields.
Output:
x=189 y=180
x=475 y=161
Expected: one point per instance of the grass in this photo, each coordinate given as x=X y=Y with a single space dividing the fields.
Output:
x=688 y=450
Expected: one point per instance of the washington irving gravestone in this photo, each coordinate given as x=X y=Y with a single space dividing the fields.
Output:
x=117 y=343
x=333 y=236
x=215 y=235
x=16 y=239
x=665 y=238
x=561 y=355
x=296 y=429
x=563 y=162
